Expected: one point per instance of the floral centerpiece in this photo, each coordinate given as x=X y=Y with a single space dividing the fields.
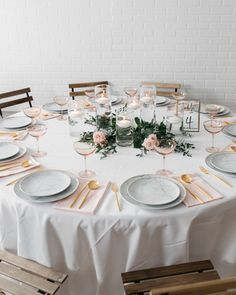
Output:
x=146 y=135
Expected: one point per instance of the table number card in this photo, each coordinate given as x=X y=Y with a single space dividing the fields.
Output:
x=191 y=118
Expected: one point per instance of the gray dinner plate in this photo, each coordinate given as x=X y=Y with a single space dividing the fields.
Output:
x=153 y=190
x=66 y=193
x=54 y=108
x=21 y=153
x=8 y=150
x=230 y=130
x=125 y=195
x=45 y=183
x=224 y=161
x=115 y=99
x=16 y=123
x=208 y=161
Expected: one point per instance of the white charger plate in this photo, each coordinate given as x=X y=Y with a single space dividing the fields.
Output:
x=8 y=150
x=153 y=190
x=66 y=193
x=209 y=164
x=203 y=108
x=224 y=161
x=230 y=130
x=45 y=183
x=16 y=122
x=54 y=108
x=125 y=195
x=21 y=153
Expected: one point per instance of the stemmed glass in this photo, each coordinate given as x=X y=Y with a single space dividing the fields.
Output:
x=33 y=113
x=85 y=149
x=213 y=127
x=61 y=101
x=212 y=110
x=178 y=96
x=165 y=147
x=90 y=93
x=131 y=93
x=38 y=130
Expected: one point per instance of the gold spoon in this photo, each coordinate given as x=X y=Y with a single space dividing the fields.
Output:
x=92 y=185
x=233 y=148
x=24 y=164
x=115 y=189
x=188 y=179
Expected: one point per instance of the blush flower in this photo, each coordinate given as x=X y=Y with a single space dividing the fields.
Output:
x=153 y=137
x=99 y=137
x=149 y=144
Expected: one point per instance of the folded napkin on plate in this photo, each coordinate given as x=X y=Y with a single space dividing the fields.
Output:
x=13 y=135
x=19 y=169
x=47 y=115
x=193 y=187
x=92 y=202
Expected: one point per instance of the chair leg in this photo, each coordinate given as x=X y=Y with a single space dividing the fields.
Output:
x=30 y=104
x=1 y=113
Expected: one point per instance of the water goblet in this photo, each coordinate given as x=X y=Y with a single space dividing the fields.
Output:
x=38 y=130
x=33 y=113
x=165 y=147
x=178 y=96
x=61 y=101
x=85 y=149
x=213 y=126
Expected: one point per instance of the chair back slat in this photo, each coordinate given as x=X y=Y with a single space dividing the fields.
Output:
x=11 y=101
x=31 y=266
x=163 y=271
x=201 y=288
x=15 y=288
x=147 y=285
x=82 y=86
x=15 y=92
x=164 y=89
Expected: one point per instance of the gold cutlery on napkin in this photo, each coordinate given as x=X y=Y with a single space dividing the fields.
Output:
x=192 y=193
x=92 y=185
x=78 y=195
x=204 y=170
x=188 y=179
x=23 y=164
x=115 y=189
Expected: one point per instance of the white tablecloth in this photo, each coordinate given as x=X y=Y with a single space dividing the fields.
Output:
x=95 y=250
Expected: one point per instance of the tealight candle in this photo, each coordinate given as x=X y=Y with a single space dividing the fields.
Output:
x=102 y=100
x=146 y=99
x=174 y=120
x=133 y=105
x=76 y=114
x=124 y=123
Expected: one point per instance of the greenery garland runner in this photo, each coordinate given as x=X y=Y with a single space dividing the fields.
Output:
x=106 y=141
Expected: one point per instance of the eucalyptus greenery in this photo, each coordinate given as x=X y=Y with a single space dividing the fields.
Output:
x=141 y=130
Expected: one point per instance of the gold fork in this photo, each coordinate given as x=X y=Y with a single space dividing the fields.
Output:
x=204 y=170
x=115 y=189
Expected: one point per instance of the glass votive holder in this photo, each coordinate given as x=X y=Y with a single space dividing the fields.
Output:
x=147 y=99
x=124 y=127
x=76 y=116
x=174 y=120
x=103 y=106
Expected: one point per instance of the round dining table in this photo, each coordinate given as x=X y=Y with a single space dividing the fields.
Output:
x=95 y=249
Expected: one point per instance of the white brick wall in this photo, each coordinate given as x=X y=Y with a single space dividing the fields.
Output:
x=48 y=44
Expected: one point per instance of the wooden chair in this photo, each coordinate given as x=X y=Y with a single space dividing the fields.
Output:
x=219 y=287
x=164 y=89
x=143 y=281
x=20 y=276
x=8 y=103
x=83 y=87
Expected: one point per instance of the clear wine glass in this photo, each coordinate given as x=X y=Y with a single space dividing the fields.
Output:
x=85 y=149
x=61 y=101
x=165 y=147
x=33 y=113
x=131 y=93
x=38 y=130
x=213 y=127
x=178 y=96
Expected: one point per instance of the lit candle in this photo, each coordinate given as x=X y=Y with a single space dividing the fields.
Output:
x=146 y=99
x=133 y=105
x=103 y=99
x=124 y=123
x=76 y=114
x=174 y=120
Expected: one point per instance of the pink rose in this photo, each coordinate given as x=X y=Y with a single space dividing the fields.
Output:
x=153 y=137
x=99 y=137
x=149 y=144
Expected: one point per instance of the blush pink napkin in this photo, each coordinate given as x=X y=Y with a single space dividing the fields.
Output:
x=191 y=201
x=20 y=135
x=47 y=116
x=92 y=203
x=17 y=170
